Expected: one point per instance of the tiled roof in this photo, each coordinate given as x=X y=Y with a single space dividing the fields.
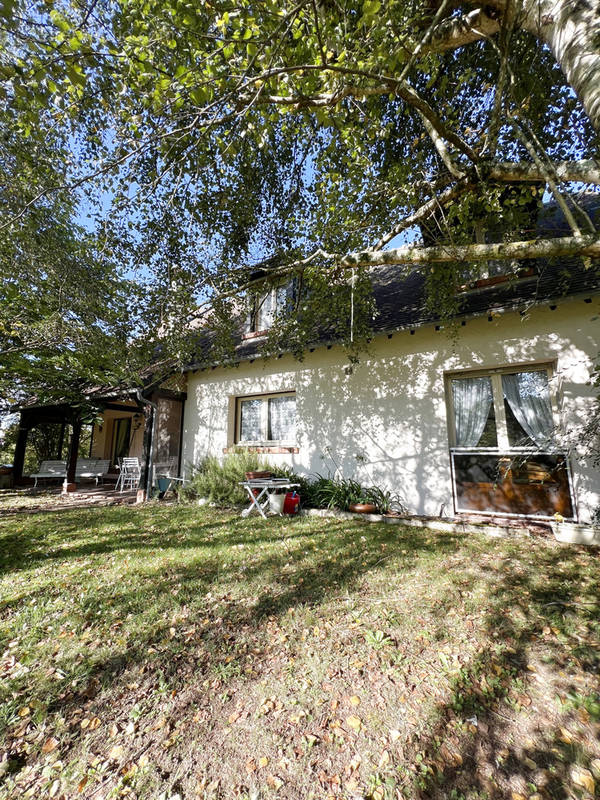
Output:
x=400 y=299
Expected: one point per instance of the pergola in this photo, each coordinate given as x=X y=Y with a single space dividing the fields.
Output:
x=32 y=415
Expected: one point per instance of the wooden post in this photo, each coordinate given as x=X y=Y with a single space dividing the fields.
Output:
x=61 y=440
x=69 y=484
x=146 y=465
x=20 y=446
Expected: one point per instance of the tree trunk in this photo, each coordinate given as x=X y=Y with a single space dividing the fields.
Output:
x=571 y=29
x=70 y=485
x=19 y=458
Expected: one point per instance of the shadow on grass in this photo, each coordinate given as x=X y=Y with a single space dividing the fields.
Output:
x=220 y=577
x=502 y=731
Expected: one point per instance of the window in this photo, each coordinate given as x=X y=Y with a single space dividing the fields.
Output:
x=266 y=419
x=275 y=303
x=503 y=445
x=504 y=408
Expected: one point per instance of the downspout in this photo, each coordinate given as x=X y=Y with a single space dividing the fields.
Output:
x=146 y=401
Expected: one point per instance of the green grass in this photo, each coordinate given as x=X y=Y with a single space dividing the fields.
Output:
x=161 y=650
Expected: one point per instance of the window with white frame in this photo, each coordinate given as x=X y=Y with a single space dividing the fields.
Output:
x=507 y=409
x=268 y=419
x=275 y=303
x=504 y=452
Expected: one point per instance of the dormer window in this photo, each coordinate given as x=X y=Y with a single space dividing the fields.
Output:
x=276 y=302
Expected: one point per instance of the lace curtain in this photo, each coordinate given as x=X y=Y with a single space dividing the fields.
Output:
x=282 y=419
x=528 y=396
x=250 y=420
x=472 y=399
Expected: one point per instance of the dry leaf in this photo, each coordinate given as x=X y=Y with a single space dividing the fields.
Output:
x=250 y=766
x=116 y=752
x=263 y=761
x=377 y=793
x=583 y=777
x=94 y=723
x=81 y=785
x=130 y=728
x=49 y=745
x=384 y=759
x=355 y=700
x=395 y=735
x=25 y=711
x=354 y=723
x=566 y=736
x=274 y=782
x=54 y=788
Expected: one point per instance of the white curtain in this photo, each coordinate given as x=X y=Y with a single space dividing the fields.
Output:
x=266 y=312
x=250 y=421
x=472 y=399
x=282 y=419
x=528 y=396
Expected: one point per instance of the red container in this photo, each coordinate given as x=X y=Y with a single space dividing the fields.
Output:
x=291 y=504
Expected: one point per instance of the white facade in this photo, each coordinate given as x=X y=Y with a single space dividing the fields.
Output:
x=386 y=422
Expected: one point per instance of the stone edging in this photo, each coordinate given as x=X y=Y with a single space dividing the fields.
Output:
x=566 y=532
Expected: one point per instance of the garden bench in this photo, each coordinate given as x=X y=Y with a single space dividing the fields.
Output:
x=50 y=469
x=92 y=468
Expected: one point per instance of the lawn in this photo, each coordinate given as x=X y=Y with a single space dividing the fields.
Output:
x=179 y=652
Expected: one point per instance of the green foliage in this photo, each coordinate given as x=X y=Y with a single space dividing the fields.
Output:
x=270 y=128
x=219 y=481
x=341 y=493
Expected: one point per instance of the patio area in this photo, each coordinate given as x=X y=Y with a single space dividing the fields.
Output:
x=51 y=498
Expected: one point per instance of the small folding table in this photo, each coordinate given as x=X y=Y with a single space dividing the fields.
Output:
x=259 y=491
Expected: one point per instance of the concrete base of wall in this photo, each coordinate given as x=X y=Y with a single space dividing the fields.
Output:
x=567 y=532
x=576 y=534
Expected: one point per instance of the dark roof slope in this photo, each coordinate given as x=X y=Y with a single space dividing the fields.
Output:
x=401 y=301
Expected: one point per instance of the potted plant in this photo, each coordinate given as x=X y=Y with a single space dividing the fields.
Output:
x=363 y=504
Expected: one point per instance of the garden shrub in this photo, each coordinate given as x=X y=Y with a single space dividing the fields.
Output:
x=219 y=481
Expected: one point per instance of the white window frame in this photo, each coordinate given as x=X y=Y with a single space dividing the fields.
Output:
x=272 y=293
x=495 y=374
x=264 y=441
x=503 y=446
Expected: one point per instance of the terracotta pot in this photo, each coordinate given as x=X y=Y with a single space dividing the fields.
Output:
x=252 y=476
x=363 y=508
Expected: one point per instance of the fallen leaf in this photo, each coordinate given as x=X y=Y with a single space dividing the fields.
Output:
x=49 y=745
x=354 y=723
x=384 y=760
x=355 y=700
x=263 y=761
x=395 y=735
x=583 y=777
x=25 y=711
x=250 y=766
x=116 y=752
x=274 y=782
x=54 y=788
x=566 y=736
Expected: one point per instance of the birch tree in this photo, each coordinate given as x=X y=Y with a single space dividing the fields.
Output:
x=318 y=133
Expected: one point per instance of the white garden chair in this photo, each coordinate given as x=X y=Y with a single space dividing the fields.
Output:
x=129 y=477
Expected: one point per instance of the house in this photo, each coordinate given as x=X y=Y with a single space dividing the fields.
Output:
x=488 y=422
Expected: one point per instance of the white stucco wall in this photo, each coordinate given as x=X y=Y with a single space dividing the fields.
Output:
x=391 y=411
